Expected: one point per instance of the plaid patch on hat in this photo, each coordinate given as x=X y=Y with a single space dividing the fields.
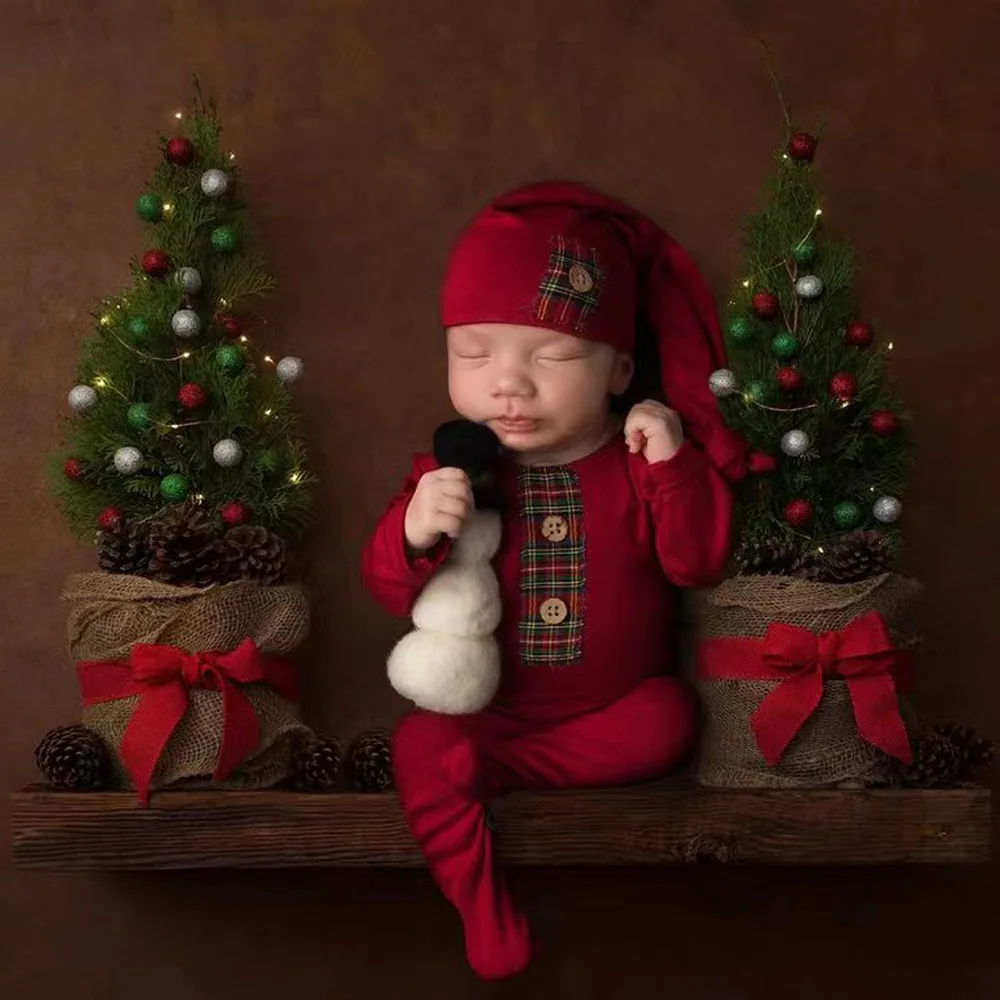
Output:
x=553 y=577
x=570 y=289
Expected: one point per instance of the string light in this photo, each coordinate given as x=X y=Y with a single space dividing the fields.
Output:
x=819 y=212
x=105 y=319
x=746 y=283
x=268 y=412
x=168 y=208
x=269 y=359
x=150 y=357
x=101 y=382
x=295 y=477
x=232 y=156
x=889 y=345
x=178 y=115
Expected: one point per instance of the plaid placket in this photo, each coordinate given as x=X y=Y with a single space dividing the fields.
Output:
x=571 y=285
x=551 y=570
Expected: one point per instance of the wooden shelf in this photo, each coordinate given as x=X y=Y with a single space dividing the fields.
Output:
x=650 y=824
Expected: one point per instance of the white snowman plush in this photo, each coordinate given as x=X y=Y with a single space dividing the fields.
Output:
x=450 y=662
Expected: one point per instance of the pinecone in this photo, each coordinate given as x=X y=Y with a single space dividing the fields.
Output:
x=935 y=764
x=123 y=549
x=317 y=765
x=974 y=751
x=858 y=555
x=251 y=552
x=368 y=764
x=771 y=555
x=185 y=551
x=73 y=758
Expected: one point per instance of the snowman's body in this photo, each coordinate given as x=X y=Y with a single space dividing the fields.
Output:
x=450 y=662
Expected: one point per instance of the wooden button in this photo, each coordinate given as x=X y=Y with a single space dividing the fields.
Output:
x=580 y=278
x=555 y=528
x=553 y=611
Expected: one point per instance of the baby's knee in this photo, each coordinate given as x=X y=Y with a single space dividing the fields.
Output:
x=422 y=737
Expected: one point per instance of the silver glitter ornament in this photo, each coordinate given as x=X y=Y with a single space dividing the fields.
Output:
x=290 y=369
x=227 y=453
x=82 y=398
x=887 y=509
x=189 y=279
x=722 y=383
x=185 y=323
x=809 y=286
x=214 y=182
x=128 y=460
x=795 y=443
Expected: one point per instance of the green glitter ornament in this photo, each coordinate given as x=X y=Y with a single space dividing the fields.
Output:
x=740 y=330
x=755 y=391
x=230 y=359
x=149 y=207
x=224 y=239
x=804 y=252
x=139 y=416
x=138 y=328
x=847 y=515
x=175 y=487
x=785 y=346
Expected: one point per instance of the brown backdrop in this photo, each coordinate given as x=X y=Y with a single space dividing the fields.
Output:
x=368 y=132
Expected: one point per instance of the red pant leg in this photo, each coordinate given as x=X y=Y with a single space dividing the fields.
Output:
x=639 y=737
x=450 y=827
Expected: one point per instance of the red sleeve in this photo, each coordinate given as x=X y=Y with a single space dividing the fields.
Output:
x=392 y=575
x=690 y=506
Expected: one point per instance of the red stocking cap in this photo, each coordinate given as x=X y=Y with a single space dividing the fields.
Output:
x=561 y=256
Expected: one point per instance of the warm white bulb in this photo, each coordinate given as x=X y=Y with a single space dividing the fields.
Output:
x=105 y=320
x=819 y=211
x=100 y=381
x=267 y=413
x=244 y=339
x=746 y=284
x=199 y=497
x=294 y=477
x=174 y=426
x=820 y=549
x=178 y=115
x=890 y=345
x=232 y=156
x=269 y=359
x=186 y=354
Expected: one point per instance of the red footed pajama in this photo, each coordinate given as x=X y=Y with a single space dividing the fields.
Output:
x=448 y=767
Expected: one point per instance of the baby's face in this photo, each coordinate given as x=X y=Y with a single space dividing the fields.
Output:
x=539 y=390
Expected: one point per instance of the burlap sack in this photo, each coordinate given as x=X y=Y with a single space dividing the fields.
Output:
x=108 y=613
x=827 y=749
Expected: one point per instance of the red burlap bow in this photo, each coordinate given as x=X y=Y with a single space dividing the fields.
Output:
x=162 y=676
x=861 y=653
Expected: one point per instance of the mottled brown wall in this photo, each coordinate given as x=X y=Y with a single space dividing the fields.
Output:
x=369 y=131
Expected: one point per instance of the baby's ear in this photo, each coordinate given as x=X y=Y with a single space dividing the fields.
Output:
x=623 y=368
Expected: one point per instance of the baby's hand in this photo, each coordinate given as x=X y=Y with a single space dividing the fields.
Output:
x=653 y=429
x=439 y=506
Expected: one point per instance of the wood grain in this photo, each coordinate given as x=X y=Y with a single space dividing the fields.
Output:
x=655 y=824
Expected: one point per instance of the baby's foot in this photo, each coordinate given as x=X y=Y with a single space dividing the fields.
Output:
x=500 y=945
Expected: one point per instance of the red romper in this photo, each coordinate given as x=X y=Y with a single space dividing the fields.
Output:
x=590 y=557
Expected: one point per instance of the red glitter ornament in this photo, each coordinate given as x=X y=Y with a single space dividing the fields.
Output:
x=234 y=513
x=799 y=513
x=192 y=396
x=859 y=334
x=179 y=151
x=843 y=386
x=155 y=263
x=230 y=326
x=884 y=423
x=802 y=146
x=790 y=379
x=109 y=518
x=766 y=305
x=73 y=468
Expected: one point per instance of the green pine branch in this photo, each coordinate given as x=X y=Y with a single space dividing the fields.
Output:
x=133 y=358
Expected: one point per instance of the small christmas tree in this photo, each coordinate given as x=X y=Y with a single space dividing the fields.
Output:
x=182 y=451
x=807 y=384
